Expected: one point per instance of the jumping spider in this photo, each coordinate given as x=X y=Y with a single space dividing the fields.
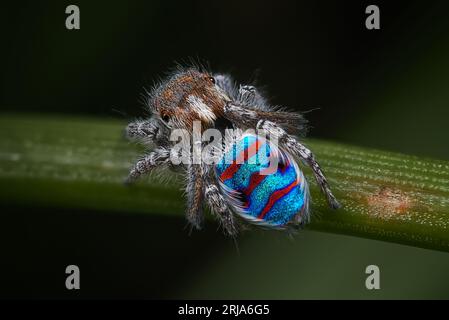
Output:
x=191 y=94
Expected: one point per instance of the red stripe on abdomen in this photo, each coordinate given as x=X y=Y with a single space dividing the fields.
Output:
x=243 y=156
x=275 y=196
x=255 y=180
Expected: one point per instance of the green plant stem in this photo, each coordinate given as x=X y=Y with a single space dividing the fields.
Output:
x=75 y=162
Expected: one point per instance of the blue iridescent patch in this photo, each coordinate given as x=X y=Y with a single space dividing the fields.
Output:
x=262 y=183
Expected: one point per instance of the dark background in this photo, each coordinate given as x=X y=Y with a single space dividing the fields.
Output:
x=305 y=54
x=383 y=88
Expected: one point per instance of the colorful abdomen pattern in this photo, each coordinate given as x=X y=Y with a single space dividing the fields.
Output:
x=262 y=183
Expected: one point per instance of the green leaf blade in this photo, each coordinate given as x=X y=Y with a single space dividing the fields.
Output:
x=76 y=162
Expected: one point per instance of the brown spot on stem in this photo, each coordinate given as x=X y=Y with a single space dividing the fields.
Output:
x=387 y=202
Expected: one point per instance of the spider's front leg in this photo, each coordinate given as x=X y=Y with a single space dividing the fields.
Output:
x=251 y=96
x=150 y=131
x=141 y=129
x=241 y=116
x=194 y=191
x=245 y=94
x=296 y=148
x=156 y=158
x=248 y=117
x=218 y=206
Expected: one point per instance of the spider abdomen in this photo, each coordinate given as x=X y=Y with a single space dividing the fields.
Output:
x=262 y=183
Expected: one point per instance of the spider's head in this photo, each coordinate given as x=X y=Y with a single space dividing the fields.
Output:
x=187 y=96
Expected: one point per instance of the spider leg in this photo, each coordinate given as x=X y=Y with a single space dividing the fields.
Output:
x=296 y=148
x=246 y=95
x=219 y=208
x=194 y=191
x=248 y=117
x=243 y=117
x=142 y=129
x=157 y=157
x=148 y=131
x=250 y=96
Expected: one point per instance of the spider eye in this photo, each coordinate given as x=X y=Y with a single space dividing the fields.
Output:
x=211 y=79
x=165 y=117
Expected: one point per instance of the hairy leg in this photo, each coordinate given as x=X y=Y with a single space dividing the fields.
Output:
x=245 y=95
x=157 y=157
x=194 y=191
x=307 y=156
x=247 y=117
x=150 y=130
x=218 y=206
x=141 y=129
x=251 y=97
x=298 y=149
